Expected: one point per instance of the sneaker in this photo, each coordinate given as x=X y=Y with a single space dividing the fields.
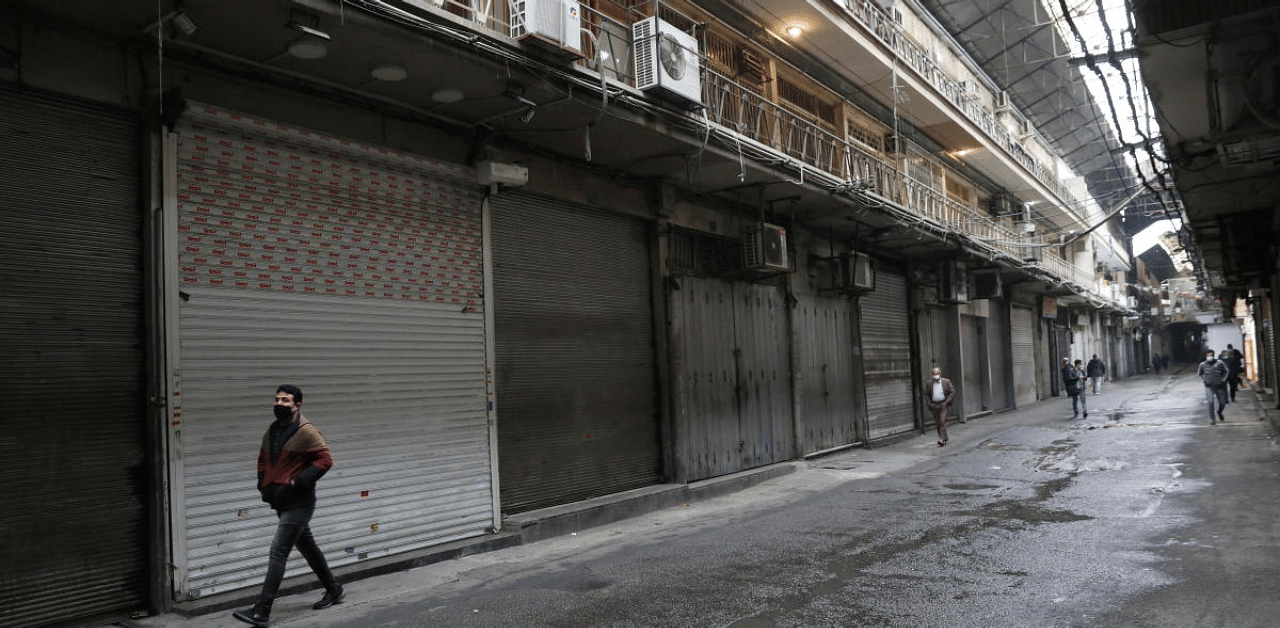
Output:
x=252 y=617
x=331 y=597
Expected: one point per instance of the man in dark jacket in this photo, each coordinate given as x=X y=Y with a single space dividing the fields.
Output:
x=938 y=393
x=1073 y=381
x=1213 y=372
x=292 y=458
x=1235 y=368
x=1097 y=372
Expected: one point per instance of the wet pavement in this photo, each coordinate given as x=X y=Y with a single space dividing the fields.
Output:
x=1141 y=515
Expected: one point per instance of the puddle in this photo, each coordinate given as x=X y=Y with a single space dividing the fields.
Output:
x=969 y=487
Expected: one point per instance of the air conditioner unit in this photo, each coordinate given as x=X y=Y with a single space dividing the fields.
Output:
x=953 y=282
x=555 y=22
x=987 y=284
x=667 y=60
x=764 y=247
x=849 y=272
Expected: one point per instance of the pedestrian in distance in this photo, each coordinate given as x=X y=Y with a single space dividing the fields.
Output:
x=1097 y=371
x=1235 y=369
x=1073 y=380
x=1155 y=363
x=1214 y=372
x=938 y=393
x=292 y=458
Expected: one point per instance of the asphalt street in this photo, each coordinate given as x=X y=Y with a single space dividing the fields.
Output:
x=1142 y=515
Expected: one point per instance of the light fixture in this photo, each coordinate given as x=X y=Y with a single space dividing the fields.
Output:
x=389 y=72
x=447 y=95
x=794 y=31
x=307 y=48
x=183 y=23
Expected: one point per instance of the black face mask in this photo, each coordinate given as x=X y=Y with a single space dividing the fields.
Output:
x=282 y=412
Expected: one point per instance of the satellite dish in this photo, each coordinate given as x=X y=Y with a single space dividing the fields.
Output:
x=673 y=57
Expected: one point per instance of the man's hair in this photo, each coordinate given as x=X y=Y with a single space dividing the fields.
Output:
x=1079 y=361
x=1095 y=356
x=292 y=390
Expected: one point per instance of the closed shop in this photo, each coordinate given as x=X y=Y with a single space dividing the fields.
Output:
x=886 y=356
x=832 y=411
x=356 y=273
x=973 y=390
x=936 y=351
x=998 y=355
x=576 y=383
x=731 y=368
x=1022 y=337
x=75 y=500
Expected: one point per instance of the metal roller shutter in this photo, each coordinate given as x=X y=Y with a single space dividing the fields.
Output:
x=972 y=390
x=74 y=508
x=356 y=273
x=574 y=331
x=886 y=356
x=1024 y=355
x=998 y=356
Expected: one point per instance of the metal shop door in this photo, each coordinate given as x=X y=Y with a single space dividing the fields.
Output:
x=576 y=384
x=731 y=372
x=1022 y=338
x=884 y=324
x=998 y=355
x=74 y=510
x=832 y=411
x=974 y=391
x=355 y=272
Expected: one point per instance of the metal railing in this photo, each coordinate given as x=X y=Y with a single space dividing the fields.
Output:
x=608 y=48
x=879 y=24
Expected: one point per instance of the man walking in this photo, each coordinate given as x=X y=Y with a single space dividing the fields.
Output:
x=1235 y=368
x=938 y=393
x=1096 y=370
x=1213 y=372
x=1073 y=381
x=292 y=458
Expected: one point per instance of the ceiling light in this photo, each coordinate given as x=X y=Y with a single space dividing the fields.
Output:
x=306 y=48
x=308 y=30
x=447 y=95
x=183 y=23
x=389 y=72
x=795 y=31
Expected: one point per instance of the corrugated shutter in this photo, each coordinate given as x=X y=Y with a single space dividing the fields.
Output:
x=972 y=390
x=1024 y=355
x=576 y=388
x=998 y=356
x=828 y=386
x=73 y=515
x=886 y=356
x=356 y=273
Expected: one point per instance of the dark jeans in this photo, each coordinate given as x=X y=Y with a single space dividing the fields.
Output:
x=292 y=531
x=1079 y=403
x=1232 y=384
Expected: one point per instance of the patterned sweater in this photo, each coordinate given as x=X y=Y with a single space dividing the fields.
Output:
x=293 y=456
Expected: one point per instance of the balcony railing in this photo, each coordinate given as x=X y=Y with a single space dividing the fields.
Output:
x=608 y=48
x=879 y=24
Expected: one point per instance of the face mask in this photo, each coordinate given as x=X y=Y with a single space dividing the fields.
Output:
x=1210 y=359
x=937 y=377
x=282 y=412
